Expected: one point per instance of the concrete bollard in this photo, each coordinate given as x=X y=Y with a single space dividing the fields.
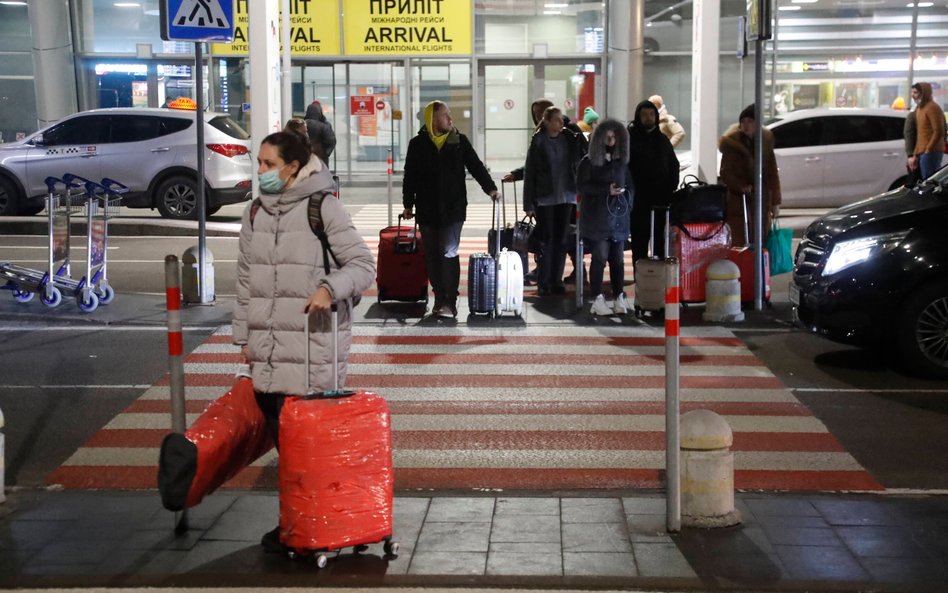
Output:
x=190 y=275
x=723 y=292
x=3 y=467
x=707 y=471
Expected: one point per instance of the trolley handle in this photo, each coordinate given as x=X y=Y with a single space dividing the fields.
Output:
x=114 y=186
x=92 y=187
x=51 y=183
x=74 y=180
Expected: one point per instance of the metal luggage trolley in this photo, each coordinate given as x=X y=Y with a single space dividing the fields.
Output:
x=102 y=203
x=26 y=282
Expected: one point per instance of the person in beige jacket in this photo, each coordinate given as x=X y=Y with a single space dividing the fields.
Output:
x=281 y=278
x=667 y=123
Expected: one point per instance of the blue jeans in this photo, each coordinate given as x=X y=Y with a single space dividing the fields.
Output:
x=928 y=163
x=606 y=251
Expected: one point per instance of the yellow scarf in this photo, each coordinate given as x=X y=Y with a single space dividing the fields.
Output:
x=438 y=139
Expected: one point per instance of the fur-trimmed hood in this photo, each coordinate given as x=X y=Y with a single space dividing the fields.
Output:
x=597 y=142
x=734 y=140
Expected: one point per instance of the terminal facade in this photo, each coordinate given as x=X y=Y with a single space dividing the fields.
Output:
x=487 y=58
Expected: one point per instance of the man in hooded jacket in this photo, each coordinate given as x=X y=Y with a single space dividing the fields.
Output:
x=322 y=139
x=434 y=182
x=930 y=131
x=654 y=169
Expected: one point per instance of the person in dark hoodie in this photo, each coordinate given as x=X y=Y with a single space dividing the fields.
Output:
x=607 y=196
x=321 y=137
x=549 y=193
x=654 y=170
x=434 y=183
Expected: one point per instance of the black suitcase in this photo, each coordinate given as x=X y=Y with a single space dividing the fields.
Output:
x=481 y=283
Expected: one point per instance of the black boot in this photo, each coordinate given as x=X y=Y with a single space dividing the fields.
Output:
x=451 y=276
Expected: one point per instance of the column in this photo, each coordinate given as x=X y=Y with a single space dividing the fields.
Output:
x=265 y=117
x=53 y=69
x=625 y=55
x=704 y=89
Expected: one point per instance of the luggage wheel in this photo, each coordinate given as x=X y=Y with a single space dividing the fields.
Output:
x=360 y=548
x=321 y=560
x=390 y=548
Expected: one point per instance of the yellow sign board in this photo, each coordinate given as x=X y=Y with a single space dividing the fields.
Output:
x=412 y=27
x=314 y=29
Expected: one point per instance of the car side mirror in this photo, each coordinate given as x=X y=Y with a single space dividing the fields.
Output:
x=38 y=141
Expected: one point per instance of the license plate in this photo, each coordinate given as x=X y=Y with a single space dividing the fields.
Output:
x=794 y=295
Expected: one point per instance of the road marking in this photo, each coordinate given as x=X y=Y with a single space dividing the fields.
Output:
x=859 y=390
x=13 y=387
x=36 y=326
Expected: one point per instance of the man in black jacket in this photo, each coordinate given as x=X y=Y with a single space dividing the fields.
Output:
x=434 y=182
x=322 y=139
x=654 y=169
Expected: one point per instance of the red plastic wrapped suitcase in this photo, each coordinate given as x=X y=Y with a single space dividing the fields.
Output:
x=744 y=258
x=401 y=272
x=696 y=246
x=230 y=435
x=335 y=473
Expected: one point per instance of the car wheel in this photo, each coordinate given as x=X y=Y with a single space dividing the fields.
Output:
x=176 y=198
x=923 y=331
x=9 y=198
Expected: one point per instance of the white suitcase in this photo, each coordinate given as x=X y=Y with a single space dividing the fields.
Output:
x=509 y=283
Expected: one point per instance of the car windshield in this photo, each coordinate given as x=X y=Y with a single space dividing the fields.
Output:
x=225 y=124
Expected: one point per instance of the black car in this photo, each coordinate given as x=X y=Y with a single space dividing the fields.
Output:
x=876 y=272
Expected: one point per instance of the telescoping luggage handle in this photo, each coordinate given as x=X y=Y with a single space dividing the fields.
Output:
x=414 y=232
x=335 y=392
x=651 y=232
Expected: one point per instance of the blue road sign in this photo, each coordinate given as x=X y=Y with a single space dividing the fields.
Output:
x=197 y=20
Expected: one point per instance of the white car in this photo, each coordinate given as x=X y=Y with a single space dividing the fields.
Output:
x=831 y=157
x=152 y=151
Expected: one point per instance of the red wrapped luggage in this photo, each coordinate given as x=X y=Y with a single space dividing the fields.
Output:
x=401 y=274
x=744 y=258
x=696 y=246
x=335 y=468
x=230 y=435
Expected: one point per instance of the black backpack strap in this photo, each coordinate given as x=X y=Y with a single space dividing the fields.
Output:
x=315 y=215
x=254 y=208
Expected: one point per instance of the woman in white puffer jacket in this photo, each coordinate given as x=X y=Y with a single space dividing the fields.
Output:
x=280 y=274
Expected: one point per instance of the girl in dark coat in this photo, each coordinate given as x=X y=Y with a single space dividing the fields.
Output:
x=549 y=193
x=604 y=223
x=434 y=183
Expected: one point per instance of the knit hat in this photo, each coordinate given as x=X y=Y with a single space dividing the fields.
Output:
x=748 y=113
x=590 y=116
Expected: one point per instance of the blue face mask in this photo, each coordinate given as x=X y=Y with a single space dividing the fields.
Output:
x=270 y=181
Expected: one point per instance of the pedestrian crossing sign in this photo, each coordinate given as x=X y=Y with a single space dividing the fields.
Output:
x=197 y=20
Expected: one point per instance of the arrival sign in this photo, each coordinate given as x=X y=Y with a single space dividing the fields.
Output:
x=314 y=29
x=415 y=27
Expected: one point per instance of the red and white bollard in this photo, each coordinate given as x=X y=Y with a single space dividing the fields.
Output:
x=3 y=469
x=175 y=359
x=672 y=374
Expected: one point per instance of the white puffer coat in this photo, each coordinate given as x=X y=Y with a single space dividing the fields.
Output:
x=279 y=266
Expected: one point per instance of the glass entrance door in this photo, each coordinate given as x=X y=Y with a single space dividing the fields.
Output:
x=509 y=90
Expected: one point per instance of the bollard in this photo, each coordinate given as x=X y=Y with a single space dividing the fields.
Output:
x=190 y=277
x=3 y=469
x=175 y=360
x=723 y=292
x=707 y=471
x=389 y=172
x=672 y=397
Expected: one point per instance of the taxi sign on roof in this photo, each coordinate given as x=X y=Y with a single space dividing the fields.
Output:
x=184 y=103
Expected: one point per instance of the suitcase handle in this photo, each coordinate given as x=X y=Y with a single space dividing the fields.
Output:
x=335 y=392
x=414 y=232
x=651 y=231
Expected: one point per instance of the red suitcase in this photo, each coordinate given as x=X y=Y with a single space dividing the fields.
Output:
x=335 y=473
x=696 y=246
x=401 y=272
x=744 y=258
x=230 y=435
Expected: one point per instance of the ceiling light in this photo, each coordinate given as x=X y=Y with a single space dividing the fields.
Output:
x=13 y=2
x=804 y=1
x=788 y=8
x=551 y=5
x=920 y=4
x=126 y=5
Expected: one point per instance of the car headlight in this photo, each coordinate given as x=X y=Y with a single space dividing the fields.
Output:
x=849 y=253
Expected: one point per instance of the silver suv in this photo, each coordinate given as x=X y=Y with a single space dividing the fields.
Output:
x=152 y=151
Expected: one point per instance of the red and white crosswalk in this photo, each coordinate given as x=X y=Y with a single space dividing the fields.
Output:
x=545 y=407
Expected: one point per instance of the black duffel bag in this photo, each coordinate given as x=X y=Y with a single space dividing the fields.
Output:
x=697 y=201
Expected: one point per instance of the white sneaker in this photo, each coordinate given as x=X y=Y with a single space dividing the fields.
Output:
x=599 y=307
x=621 y=305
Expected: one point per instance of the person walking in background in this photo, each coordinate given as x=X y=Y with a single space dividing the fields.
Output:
x=321 y=136
x=281 y=277
x=588 y=122
x=930 y=126
x=910 y=135
x=549 y=193
x=435 y=166
x=653 y=167
x=603 y=181
x=667 y=123
x=737 y=174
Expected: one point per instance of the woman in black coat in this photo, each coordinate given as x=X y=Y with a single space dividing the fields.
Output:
x=549 y=193
x=434 y=183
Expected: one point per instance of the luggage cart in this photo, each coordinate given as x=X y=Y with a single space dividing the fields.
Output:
x=27 y=282
x=102 y=201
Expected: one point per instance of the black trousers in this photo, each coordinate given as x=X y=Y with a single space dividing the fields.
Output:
x=553 y=223
x=271 y=404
